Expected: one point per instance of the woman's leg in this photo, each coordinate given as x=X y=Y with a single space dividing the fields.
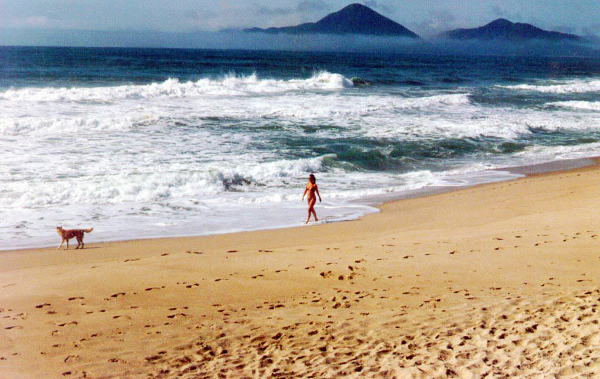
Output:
x=311 y=209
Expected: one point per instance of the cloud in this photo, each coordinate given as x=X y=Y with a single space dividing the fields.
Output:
x=196 y=15
x=500 y=12
x=271 y=11
x=592 y=31
x=438 y=22
x=39 y=21
x=312 y=6
x=36 y=21
x=497 y=11
x=379 y=7
x=565 y=29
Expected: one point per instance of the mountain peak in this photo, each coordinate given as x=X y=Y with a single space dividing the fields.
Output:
x=352 y=19
x=355 y=6
x=503 y=29
x=500 y=22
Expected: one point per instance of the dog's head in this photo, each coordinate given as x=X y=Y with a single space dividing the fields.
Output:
x=59 y=229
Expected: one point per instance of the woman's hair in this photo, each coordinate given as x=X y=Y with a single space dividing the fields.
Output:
x=312 y=177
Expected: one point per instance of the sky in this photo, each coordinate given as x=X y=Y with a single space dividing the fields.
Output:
x=424 y=17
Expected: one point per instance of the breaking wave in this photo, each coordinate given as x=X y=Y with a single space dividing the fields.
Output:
x=147 y=187
x=230 y=85
x=585 y=105
x=562 y=88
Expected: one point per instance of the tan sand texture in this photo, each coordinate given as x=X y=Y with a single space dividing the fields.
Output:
x=494 y=281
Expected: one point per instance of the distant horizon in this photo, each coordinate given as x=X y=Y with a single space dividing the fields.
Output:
x=239 y=40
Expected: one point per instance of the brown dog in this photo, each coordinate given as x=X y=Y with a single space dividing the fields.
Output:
x=66 y=235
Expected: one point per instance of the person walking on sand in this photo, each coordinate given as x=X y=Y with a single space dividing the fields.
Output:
x=311 y=189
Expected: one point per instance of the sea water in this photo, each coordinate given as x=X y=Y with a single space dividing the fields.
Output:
x=155 y=142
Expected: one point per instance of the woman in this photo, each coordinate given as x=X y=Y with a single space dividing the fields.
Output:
x=311 y=188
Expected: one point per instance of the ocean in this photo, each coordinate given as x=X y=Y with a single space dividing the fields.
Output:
x=142 y=143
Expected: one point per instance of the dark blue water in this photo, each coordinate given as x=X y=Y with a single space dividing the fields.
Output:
x=39 y=66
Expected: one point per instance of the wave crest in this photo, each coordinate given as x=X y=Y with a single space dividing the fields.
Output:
x=230 y=85
x=563 y=88
x=584 y=105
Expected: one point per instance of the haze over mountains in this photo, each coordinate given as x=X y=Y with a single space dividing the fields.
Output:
x=503 y=29
x=355 y=28
x=353 y=19
x=362 y=20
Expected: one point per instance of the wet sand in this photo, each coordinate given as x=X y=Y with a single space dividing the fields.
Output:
x=498 y=280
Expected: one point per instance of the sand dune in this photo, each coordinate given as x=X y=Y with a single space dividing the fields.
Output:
x=493 y=281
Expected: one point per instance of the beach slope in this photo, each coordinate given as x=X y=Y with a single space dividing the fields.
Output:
x=498 y=280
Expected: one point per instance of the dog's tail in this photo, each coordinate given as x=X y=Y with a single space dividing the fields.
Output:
x=88 y=230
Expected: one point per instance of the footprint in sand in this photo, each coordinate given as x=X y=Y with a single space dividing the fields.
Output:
x=43 y=305
x=131 y=260
x=13 y=327
x=177 y=315
x=71 y=358
x=68 y=323
x=76 y=298
x=118 y=294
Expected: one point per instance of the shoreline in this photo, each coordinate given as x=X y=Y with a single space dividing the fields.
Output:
x=377 y=201
x=488 y=281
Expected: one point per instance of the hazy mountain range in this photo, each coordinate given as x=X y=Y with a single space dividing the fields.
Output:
x=360 y=19
x=355 y=28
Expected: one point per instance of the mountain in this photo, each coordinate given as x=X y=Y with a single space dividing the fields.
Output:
x=502 y=29
x=353 y=19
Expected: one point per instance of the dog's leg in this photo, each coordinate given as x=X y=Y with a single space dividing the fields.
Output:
x=82 y=240
x=61 y=243
x=67 y=244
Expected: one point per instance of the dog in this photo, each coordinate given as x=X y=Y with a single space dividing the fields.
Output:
x=66 y=235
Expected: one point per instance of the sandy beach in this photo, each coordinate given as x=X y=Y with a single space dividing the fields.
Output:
x=494 y=281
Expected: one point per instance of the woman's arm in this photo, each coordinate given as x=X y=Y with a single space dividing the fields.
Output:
x=304 y=194
x=317 y=191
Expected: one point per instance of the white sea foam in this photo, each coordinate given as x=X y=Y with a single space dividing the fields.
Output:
x=63 y=124
x=151 y=186
x=585 y=105
x=566 y=87
x=197 y=155
x=172 y=88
